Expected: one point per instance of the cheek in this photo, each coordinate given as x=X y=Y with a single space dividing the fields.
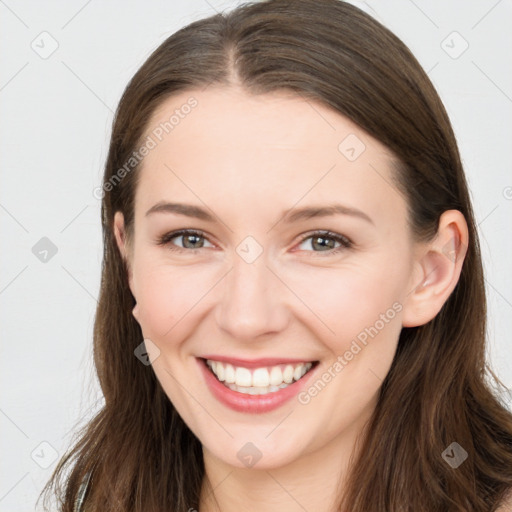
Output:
x=347 y=300
x=367 y=322
x=168 y=296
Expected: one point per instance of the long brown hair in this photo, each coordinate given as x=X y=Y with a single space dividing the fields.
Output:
x=140 y=453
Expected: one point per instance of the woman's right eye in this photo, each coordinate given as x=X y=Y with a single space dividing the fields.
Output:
x=190 y=238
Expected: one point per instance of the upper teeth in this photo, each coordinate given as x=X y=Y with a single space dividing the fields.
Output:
x=258 y=377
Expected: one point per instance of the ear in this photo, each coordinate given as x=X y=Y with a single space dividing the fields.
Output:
x=123 y=245
x=437 y=270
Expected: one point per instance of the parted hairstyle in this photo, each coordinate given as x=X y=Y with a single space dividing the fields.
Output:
x=440 y=389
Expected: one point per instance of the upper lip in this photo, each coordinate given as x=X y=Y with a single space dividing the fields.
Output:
x=257 y=363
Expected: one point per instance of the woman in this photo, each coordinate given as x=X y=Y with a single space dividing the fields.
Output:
x=242 y=370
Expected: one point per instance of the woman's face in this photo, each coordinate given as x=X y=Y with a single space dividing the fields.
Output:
x=256 y=291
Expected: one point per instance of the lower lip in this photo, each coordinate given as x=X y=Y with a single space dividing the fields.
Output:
x=242 y=402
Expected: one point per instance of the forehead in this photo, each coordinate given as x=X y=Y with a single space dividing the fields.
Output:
x=232 y=117
x=223 y=144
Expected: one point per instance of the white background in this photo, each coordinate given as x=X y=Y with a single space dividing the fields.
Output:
x=56 y=114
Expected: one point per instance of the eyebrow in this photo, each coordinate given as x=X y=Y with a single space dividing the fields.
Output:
x=289 y=216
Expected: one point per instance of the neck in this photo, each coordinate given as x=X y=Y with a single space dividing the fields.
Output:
x=313 y=481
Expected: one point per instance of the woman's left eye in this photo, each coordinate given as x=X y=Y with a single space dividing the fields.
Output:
x=193 y=240
x=318 y=239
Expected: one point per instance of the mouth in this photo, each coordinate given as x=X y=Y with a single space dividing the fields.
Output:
x=255 y=386
x=260 y=380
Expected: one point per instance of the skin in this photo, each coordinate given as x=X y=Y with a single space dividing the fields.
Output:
x=247 y=159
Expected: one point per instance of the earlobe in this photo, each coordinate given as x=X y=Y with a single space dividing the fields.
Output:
x=437 y=270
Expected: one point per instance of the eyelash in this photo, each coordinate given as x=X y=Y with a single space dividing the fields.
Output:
x=345 y=242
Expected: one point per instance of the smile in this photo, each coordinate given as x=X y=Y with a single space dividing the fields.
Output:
x=258 y=381
x=255 y=386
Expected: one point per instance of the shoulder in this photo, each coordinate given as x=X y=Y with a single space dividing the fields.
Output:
x=506 y=504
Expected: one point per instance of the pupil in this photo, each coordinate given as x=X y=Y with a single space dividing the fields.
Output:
x=189 y=237
x=327 y=245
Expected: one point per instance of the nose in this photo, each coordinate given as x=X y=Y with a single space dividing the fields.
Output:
x=252 y=301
